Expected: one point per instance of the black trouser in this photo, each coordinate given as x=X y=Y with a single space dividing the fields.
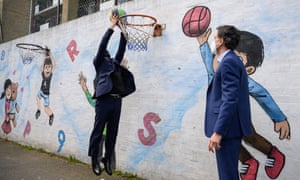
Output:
x=100 y=155
x=108 y=110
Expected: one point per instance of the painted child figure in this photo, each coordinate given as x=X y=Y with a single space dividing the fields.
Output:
x=14 y=107
x=47 y=69
x=250 y=50
x=6 y=126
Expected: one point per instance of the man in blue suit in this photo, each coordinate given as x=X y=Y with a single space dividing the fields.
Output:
x=108 y=104
x=227 y=117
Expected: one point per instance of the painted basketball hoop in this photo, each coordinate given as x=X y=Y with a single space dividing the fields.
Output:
x=29 y=51
x=137 y=29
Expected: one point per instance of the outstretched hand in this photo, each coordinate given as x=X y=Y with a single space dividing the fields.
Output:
x=82 y=81
x=283 y=128
x=204 y=37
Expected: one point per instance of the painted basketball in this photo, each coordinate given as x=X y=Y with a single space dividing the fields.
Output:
x=117 y=12
x=196 y=21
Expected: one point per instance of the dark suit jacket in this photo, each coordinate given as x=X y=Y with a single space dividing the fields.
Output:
x=104 y=66
x=227 y=104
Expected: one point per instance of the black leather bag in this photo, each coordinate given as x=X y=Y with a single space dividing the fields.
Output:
x=123 y=81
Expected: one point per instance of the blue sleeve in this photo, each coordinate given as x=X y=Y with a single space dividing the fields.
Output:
x=265 y=100
x=207 y=58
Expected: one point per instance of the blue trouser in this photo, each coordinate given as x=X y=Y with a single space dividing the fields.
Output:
x=228 y=158
x=108 y=110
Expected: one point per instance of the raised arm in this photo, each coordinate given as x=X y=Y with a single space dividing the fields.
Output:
x=82 y=81
x=102 y=47
x=121 y=49
x=52 y=61
x=265 y=100
x=206 y=54
x=103 y=44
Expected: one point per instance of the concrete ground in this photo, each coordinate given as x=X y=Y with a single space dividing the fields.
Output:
x=19 y=163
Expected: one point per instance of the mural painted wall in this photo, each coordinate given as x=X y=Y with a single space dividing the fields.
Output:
x=161 y=134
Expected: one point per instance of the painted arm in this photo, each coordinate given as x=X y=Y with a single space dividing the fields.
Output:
x=52 y=61
x=82 y=81
x=17 y=107
x=207 y=58
x=10 y=107
x=90 y=99
x=206 y=54
x=265 y=100
x=7 y=109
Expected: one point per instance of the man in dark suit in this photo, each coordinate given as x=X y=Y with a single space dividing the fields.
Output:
x=227 y=117
x=108 y=105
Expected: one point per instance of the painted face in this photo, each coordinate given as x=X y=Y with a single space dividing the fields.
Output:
x=243 y=56
x=47 y=70
x=14 y=91
x=8 y=92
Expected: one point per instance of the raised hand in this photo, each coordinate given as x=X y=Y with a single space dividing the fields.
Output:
x=204 y=37
x=82 y=81
x=114 y=21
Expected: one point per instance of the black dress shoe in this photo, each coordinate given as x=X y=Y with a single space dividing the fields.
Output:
x=107 y=166
x=96 y=166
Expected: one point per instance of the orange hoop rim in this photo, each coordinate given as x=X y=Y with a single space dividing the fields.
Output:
x=142 y=15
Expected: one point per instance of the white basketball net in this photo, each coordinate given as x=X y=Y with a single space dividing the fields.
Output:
x=27 y=55
x=137 y=30
x=29 y=51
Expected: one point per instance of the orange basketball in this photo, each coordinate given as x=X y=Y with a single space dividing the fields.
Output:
x=196 y=21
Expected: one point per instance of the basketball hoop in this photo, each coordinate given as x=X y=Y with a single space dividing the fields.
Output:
x=29 y=51
x=137 y=29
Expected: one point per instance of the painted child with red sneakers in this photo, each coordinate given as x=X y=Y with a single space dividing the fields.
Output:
x=250 y=49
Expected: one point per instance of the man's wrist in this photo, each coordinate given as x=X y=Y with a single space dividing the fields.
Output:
x=112 y=27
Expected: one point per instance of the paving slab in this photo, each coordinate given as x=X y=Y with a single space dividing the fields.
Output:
x=20 y=163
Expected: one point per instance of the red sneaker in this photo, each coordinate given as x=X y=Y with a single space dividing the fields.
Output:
x=274 y=163
x=249 y=169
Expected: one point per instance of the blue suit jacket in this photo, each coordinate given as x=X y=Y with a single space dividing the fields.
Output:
x=227 y=104
x=257 y=91
x=104 y=66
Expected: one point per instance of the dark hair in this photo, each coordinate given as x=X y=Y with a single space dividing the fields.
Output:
x=47 y=61
x=253 y=47
x=230 y=36
x=7 y=83
x=47 y=51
